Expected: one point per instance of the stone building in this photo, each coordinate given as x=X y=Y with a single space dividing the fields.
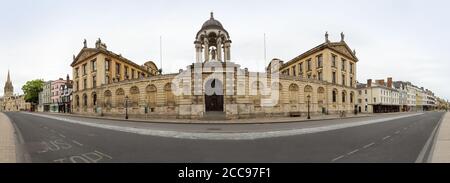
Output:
x=378 y=97
x=429 y=102
x=321 y=80
x=56 y=102
x=331 y=67
x=10 y=102
x=65 y=96
x=45 y=97
x=406 y=101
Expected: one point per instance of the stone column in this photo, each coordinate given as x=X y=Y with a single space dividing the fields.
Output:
x=219 y=49
x=198 y=52
x=206 y=49
x=219 y=52
x=206 y=53
x=227 y=51
x=224 y=53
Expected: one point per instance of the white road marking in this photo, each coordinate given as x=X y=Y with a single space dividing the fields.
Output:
x=405 y=128
x=77 y=143
x=335 y=159
x=225 y=136
x=54 y=145
x=368 y=145
x=61 y=135
x=353 y=152
x=384 y=138
x=90 y=157
x=397 y=132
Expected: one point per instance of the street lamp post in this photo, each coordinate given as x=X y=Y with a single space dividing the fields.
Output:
x=309 y=98
x=126 y=107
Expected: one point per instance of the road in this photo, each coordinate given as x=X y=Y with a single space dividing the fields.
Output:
x=45 y=139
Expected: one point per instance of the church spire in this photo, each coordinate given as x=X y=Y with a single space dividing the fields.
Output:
x=9 y=89
x=8 y=80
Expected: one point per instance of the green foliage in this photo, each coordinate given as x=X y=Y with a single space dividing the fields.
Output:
x=31 y=90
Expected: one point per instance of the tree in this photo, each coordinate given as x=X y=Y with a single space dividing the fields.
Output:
x=31 y=90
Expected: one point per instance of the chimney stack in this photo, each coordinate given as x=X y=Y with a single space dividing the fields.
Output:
x=380 y=82
x=389 y=82
x=369 y=83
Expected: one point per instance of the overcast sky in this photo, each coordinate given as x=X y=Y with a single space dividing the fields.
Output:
x=404 y=39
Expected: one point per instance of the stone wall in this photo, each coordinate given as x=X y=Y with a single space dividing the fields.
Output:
x=153 y=98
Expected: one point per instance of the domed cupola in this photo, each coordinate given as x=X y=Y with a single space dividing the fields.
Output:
x=212 y=42
x=212 y=23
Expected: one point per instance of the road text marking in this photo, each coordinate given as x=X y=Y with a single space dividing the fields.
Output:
x=54 y=145
x=77 y=143
x=90 y=157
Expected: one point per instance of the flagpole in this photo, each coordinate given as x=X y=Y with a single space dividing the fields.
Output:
x=265 y=51
x=160 y=53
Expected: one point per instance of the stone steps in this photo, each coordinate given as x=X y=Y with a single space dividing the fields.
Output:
x=213 y=115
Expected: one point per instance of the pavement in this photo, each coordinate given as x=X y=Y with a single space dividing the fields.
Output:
x=441 y=149
x=202 y=121
x=66 y=139
x=7 y=140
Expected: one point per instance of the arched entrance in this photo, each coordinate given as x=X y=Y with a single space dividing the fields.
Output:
x=214 y=95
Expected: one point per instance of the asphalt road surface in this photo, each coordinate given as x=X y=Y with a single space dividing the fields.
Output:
x=45 y=139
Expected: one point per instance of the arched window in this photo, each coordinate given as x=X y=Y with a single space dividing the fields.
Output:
x=134 y=96
x=94 y=99
x=120 y=98
x=320 y=95
x=107 y=99
x=85 y=100
x=344 y=96
x=170 y=97
x=293 y=93
x=277 y=88
x=151 y=95
x=308 y=92
x=334 y=96
x=351 y=97
x=77 y=101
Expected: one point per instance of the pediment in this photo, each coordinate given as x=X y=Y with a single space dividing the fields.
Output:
x=345 y=50
x=84 y=53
